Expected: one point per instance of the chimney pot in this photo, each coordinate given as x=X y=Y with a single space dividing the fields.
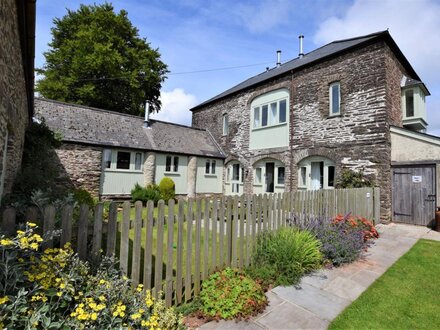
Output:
x=278 y=58
x=301 y=53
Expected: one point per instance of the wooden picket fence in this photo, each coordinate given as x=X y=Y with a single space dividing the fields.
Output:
x=172 y=248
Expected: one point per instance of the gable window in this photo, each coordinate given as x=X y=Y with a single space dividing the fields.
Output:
x=335 y=98
x=281 y=173
x=210 y=166
x=123 y=160
x=172 y=164
x=225 y=124
x=270 y=114
x=409 y=100
x=107 y=158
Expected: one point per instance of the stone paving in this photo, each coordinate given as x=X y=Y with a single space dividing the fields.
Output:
x=320 y=297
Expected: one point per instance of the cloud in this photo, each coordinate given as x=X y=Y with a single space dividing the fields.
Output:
x=175 y=107
x=415 y=27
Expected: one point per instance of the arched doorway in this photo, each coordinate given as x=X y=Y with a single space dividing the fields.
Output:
x=315 y=173
x=269 y=176
x=234 y=178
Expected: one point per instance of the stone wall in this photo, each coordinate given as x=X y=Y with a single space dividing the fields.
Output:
x=82 y=165
x=358 y=139
x=13 y=97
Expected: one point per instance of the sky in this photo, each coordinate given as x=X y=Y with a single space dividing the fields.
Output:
x=210 y=46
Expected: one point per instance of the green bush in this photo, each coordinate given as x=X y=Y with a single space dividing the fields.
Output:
x=150 y=193
x=353 y=179
x=283 y=256
x=54 y=289
x=82 y=196
x=230 y=294
x=167 y=189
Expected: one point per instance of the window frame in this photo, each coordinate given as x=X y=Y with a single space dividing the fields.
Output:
x=173 y=165
x=225 y=123
x=413 y=103
x=113 y=153
x=331 y=112
x=266 y=117
x=307 y=163
x=210 y=167
x=278 y=175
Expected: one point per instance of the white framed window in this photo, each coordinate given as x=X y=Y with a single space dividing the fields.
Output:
x=409 y=103
x=280 y=175
x=172 y=164
x=257 y=117
x=234 y=178
x=258 y=175
x=335 y=98
x=122 y=160
x=138 y=161
x=225 y=124
x=107 y=158
x=210 y=166
x=316 y=173
x=270 y=114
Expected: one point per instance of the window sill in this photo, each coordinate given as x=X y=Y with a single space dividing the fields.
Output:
x=279 y=185
x=258 y=185
x=119 y=170
x=172 y=173
x=210 y=175
x=268 y=126
x=334 y=115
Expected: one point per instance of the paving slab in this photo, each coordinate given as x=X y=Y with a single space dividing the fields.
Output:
x=222 y=324
x=290 y=316
x=324 y=304
x=345 y=288
x=365 y=277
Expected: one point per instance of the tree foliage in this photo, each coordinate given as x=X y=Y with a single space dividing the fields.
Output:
x=96 y=58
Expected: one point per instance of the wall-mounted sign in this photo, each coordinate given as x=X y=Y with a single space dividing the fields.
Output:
x=417 y=178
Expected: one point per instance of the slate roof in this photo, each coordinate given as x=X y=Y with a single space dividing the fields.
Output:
x=94 y=126
x=325 y=52
x=408 y=82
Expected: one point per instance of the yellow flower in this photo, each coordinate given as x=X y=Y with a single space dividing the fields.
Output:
x=102 y=298
x=31 y=224
x=6 y=242
x=59 y=293
x=139 y=288
x=102 y=281
x=135 y=316
x=94 y=316
x=20 y=232
x=3 y=300
x=34 y=246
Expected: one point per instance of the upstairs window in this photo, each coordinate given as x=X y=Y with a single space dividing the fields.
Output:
x=225 y=124
x=210 y=166
x=409 y=102
x=172 y=164
x=270 y=114
x=335 y=98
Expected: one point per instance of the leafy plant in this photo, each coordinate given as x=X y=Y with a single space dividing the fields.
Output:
x=167 y=189
x=366 y=226
x=82 y=196
x=353 y=179
x=55 y=289
x=283 y=256
x=150 y=193
x=231 y=294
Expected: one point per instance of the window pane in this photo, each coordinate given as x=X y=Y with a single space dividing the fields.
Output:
x=107 y=158
x=207 y=167
x=242 y=174
x=138 y=161
x=258 y=175
x=264 y=110
x=228 y=174
x=283 y=111
x=273 y=113
x=331 y=176
x=123 y=160
x=225 y=125
x=409 y=100
x=176 y=164
x=235 y=172
x=257 y=117
x=213 y=167
x=168 y=164
x=303 y=176
x=280 y=175
x=335 y=99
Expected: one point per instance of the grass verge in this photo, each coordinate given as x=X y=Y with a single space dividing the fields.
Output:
x=405 y=297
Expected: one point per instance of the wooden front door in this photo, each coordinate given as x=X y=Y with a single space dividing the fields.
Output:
x=414 y=194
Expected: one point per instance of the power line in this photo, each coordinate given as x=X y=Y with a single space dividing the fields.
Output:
x=183 y=72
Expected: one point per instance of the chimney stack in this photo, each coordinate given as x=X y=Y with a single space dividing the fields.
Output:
x=278 y=58
x=147 y=115
x=301 y=53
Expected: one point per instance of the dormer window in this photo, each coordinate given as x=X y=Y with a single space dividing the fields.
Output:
x=409 y=102
x=335 y=98
x=413 y=104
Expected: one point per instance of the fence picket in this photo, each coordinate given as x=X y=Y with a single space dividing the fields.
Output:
x=125 y=240
x=221 y=235
x=148 y=252
x=248 y=228
x=136 y=255
x=188 y=277
x=234 y=226
x=83 y=227
x=169 y=266
x=228 y=232
x=206 y=224
x=241 y=220
x=214 y=235
x=179 y=257
x=158 y=266
x=49 y=225
x=97 y=233
x=66 y=225
x=197 y=247
x=112 y=229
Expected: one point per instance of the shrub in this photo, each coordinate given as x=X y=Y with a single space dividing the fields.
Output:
x=353 y=179
x=167 y=188
x=230 y=294
x=82 y=196
x=150 y=193
x=55 y=289
x=283 y=256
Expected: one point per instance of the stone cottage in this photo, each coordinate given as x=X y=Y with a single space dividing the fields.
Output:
x=17 y=44
x=297 y=125
x=107 y=153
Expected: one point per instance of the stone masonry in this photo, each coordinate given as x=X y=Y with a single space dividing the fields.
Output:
x=13 y=97
x=359 y=138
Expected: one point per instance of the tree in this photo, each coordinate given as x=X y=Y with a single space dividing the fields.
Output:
x=96 y=58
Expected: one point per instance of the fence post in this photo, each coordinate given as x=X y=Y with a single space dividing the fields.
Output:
x=179 y=258
x=136 y=256
x=148 y=253
x=97 y=233
x=83 y=230
x=158 y=267
x=125 y=239
x=112 y=229
x=376 y=196
x=188 y=277
x=49 y=225
x=169 y=266
x=66 y=225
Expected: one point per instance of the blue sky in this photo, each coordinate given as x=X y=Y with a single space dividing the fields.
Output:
x=194 y=35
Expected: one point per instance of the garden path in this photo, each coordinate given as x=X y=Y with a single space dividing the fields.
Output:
x=320 y=297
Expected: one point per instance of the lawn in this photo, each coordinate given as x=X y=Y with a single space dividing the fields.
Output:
x=407 y=296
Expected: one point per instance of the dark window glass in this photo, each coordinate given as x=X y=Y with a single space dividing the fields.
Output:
x=235 y=172
x=168 y=164
x=335 y=99
x=331 y=176
x=264 y=110
x=409 y=98
x=280 y=175
x=123 y=160
x=283 y=104
x=242 y=174
x=138 y=161
x=213 y=167
x=207 y=166
x=176 y=164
